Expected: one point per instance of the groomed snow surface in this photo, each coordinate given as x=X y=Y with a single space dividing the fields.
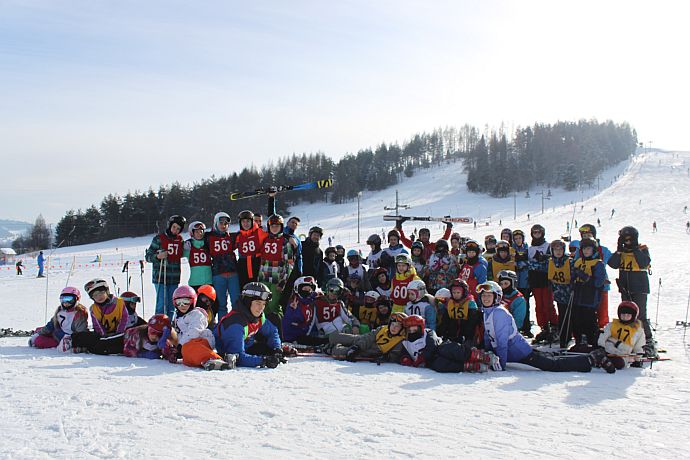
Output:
x=85 y=406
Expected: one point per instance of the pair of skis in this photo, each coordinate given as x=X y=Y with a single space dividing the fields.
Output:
x=455 y=220
x=317 y=184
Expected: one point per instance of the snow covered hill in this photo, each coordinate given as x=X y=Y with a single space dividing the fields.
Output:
x=85 y=406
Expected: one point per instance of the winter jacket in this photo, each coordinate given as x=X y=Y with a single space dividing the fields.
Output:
x=460 y=320
x=137 y=345
x=521 y=264
x=66 y=322
x=193 y=325
x=537 y=262
x=632 y=266
x=560 y=273
x=298 y=317
x=424 y=309
x=237 y=330
x=221 y=246
x=421 y=352
x=441 y=269
x=199 y=258
x=623 y=339
x=332 y=317
x=502 y=337
x=589 y=276
x=109 y=318
x=298 y=250
x=496 y=265
x=474 y=273
x=312 y=255
x=516 y=305
x=277 y=259
x=604 y=255
x=169 y=266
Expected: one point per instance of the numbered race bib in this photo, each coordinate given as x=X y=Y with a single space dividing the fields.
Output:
x=327 y=312
x=458 y=310
x=199 y=257
x=629 y=263
x=385 y=341
x=559 y=275
x=497 y=267
x=367 y=315
x=399 y=290
x=272 y=249
x=248 y=245
x=624 y=332
x=111 y=320
x=65 y=319
x=173 y=246
x=219 y=245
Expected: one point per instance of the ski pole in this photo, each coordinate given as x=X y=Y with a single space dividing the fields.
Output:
x=71 y=270
x=115 y=285
x=141 y=276
x=658 y=296
x=45 y=315
x=125 y=268
x=685 y=326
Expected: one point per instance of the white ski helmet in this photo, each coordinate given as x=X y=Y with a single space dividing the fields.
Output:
x=418 y=288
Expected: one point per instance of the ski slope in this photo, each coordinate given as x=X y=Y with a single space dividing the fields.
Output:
x=85 y=406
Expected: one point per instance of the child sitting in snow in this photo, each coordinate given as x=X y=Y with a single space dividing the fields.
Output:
x=131 y=300
x=193 y=336
x=331 y=315
x=70 y=317
x=623 y=338
x=383 y=343
x=152 y=340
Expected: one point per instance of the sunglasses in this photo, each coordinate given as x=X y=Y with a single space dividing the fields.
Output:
x=183 y=302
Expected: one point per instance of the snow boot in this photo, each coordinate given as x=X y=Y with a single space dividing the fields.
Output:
x=231 y=359
x=475 y=367
x=479 y=356
x=649 y=349
x=216 y=365
x=599 y=358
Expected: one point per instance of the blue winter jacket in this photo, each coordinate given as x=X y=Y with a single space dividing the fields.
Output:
x=298 y=321
x=587 y=290
x=521 y=265
x=605 y=254
x=502 y=337
x=235 y=333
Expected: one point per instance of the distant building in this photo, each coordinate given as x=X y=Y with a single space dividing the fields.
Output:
x=7 y=256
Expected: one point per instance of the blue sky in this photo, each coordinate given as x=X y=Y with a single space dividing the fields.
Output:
x=105 y=97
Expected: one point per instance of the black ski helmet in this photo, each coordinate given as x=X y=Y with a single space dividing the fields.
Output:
x=374 y=239
x=589 y=228
x=441 y=246
x=629 y=232
x=176 y=219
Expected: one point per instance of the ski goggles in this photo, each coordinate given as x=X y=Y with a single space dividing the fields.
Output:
x=262 y=295
x=183 y=302
x=134 y=298
x=224 y=220
x=68 y=298
x=484 y=287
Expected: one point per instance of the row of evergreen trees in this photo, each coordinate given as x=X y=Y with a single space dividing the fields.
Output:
x=563 y=154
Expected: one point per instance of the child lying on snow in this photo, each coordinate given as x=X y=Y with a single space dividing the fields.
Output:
x=384 y=342
x=70 y=317
x=152 y=340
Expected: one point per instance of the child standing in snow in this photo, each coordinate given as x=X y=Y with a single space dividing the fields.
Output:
x=197 y=253
x=588 y=282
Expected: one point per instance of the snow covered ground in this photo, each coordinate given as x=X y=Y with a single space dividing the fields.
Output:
x=84 y=406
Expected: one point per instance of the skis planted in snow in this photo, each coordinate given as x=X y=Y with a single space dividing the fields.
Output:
x=323 y=183
x=458 y=220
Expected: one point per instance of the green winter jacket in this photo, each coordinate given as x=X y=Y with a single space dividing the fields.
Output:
x=172 y=269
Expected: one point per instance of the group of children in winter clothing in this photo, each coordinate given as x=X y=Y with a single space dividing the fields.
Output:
x=451 y=307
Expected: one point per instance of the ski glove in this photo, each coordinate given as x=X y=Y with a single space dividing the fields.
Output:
x=278 y=352
x=271 y=361
x=495 y=363
x=162 y=341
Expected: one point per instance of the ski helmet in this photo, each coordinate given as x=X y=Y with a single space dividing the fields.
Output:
x=628 y=306
x=372 y=296
x=69 y=290
x=246 y=214
x=588 y=228
x=330 y=250
x=537 y=228
x=412 y=321
x=316 y=229
x=218 y=217
x=509 y=275
x=502 y=245
x=353 y=253
x=557 y=244
x=196 y=225
x=374 y=239
x=380 y=271
x=303 y=281
x=442 y=295
x=130 y=296
x=588 y=242
x=398 y=318
x=384 y=302
x=403 y=259
x=393 y=233
x=96 y=284
x=185 y=292
x=489 y=239
x=176 y=219
x=518 y=232
x=455 y=236
x=494 y=288
x=507 y=234
x=335 y=286
x=209 y=291
x=275 y=219
x=418 y=288
x=472 y=245
x=441 y=246
x=460 y=283
x=158 y=322
x=417 y=245
x=630 y=232
x=256 y=291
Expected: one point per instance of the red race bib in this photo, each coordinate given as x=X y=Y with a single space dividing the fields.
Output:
x=199 y=257
x=219 y=245
x=173 y=246
x=272 y=248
